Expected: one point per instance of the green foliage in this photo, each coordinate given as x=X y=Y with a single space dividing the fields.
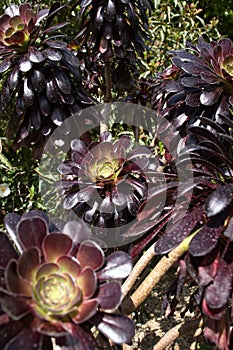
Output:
x=18 y=171
x=172 y=24
x=223 y=11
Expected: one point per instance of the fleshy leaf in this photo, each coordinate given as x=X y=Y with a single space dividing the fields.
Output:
x=119 y=328
x=173 y=238
x=219 y=200
x=205 y=240
x=7 y=251
x=56 y=245
x=118 y=265
x=16 y=308
x=109 y=295
x=14 y=282
x=77 y=338
x=85 y=311
x=87 y=282
x=69 y=265
x=32 y=231
x=9 y=331
x=28 y=339
x=218 y=292
x=28 y=264
x=90 y=255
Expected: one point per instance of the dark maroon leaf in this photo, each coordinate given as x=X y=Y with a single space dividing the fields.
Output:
x=28 y=339
x=209 y=78
x=56 y=245
x=53 y=55
x=90 y=255
x=14 y=282
x=7 y=251
x=87 y=282
x=117 y=265
x=138 y=247
x=76 y=338
x=35 y=116
x=173 y=238
x=79 y=146
x=45 y=106
x=63 y=82
x=119 y=328
x=16 y=308
x=52 y=92
x=219 y=200
x=56 y=44
x=208 y=98
x=9 y=331
x=14 y=78
x=25 y=64
x=205 y=240
x=35 y=55
x=86 y=310
x=217 y=293
x=18 y=37
x=55 y=27
x=191 y=68
x=5 y=64
x=28 y=263
x=37 y=80
x=72 y=61
x=109 y=295
x=38 y=213
x=32 y=231
x=28 y=95
x=192 y=81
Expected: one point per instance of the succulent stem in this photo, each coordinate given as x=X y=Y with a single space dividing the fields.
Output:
x=144 y=289
x=177 y=331
x=137 y=270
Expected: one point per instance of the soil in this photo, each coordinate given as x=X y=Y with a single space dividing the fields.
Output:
x=151 y=325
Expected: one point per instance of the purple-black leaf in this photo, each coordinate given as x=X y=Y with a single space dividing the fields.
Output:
x=7 y=251
x=119 y=328
x=109 y=295
x=219 y=200
x=173 y=238
x=205 y=240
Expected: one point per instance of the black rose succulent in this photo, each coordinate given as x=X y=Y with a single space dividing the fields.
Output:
x=39 y=72
x=198 y=86
x=105 y=183
x=117 y=27
x=57 y=286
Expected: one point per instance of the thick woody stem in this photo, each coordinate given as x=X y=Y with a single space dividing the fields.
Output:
x=176 y=332
x=108 y=91
x=144 y=289
x=137 y=270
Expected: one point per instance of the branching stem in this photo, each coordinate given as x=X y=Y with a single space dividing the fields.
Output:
x=144 y=289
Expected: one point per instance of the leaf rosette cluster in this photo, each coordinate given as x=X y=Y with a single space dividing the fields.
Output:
x=59 y=286
x=40 y=72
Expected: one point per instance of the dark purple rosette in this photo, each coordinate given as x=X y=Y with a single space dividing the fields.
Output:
x=58 y=286
x=38 y=71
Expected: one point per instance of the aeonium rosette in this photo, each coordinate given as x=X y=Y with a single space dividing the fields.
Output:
x=56 y=287
x=40 y=72
x=105 y=182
